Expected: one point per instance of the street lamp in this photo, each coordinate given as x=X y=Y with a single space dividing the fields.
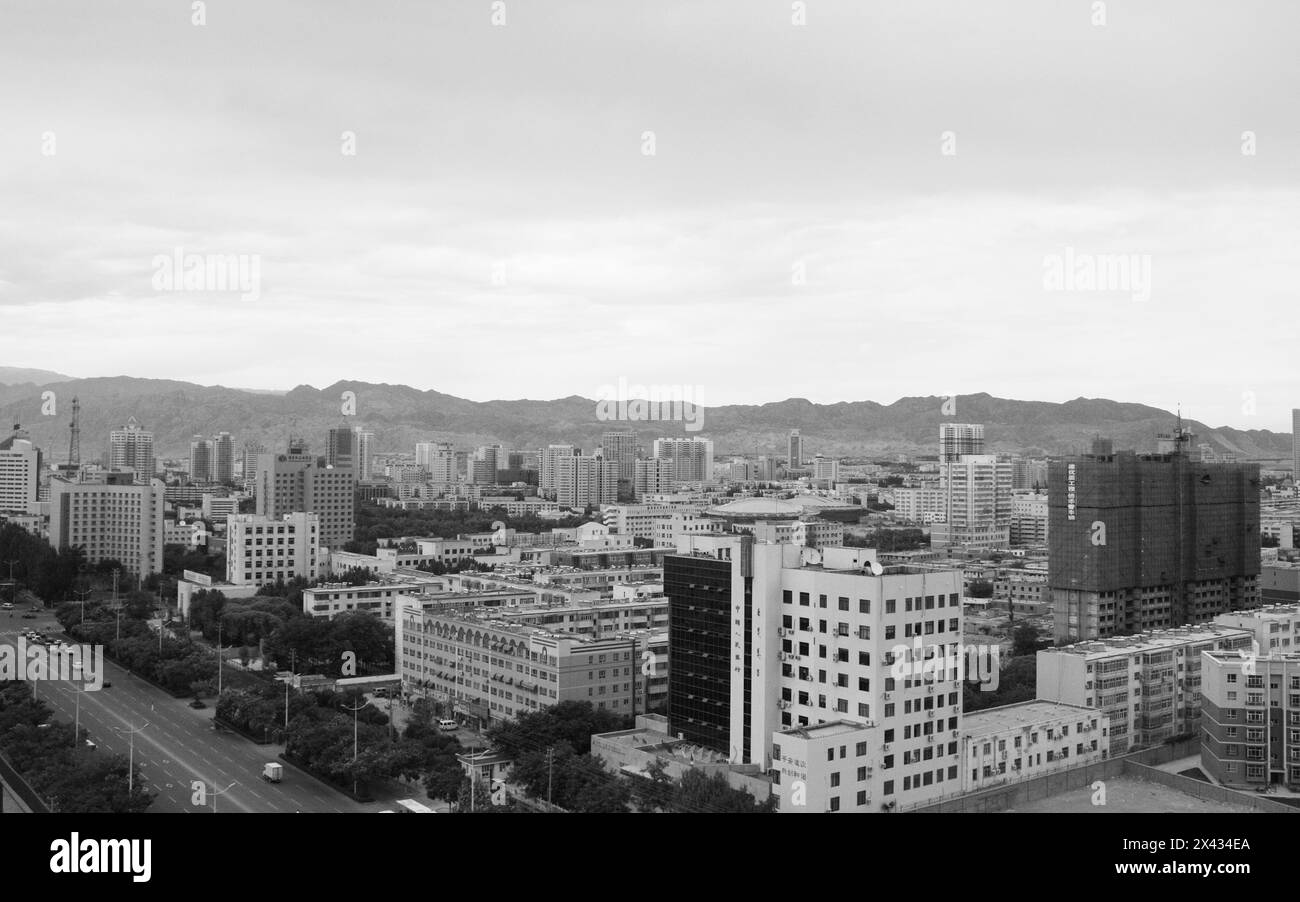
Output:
x=130 y=773
x=354 y=741
x=217 y=792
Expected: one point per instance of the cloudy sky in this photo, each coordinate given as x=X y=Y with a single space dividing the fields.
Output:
x=863 y=206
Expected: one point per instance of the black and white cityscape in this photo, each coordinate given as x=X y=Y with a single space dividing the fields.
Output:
x=739 y=406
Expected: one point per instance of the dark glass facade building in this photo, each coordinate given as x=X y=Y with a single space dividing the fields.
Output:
x=699 y=649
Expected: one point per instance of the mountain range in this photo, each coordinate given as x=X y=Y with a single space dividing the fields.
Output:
x=400 y=416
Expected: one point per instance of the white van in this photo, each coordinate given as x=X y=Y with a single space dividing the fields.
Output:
x=448 y=726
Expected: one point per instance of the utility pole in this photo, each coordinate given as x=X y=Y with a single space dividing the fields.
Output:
x=130 y=774
x=219 y=626
x=354 y=742
x=116 y=606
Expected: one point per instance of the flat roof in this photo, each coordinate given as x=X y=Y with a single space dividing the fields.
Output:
x=823 y=730
x=1151 y=641
x=991 y=721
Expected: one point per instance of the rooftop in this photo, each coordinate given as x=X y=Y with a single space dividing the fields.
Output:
x=1150 y=641
x=825 y=730
x=991 y=721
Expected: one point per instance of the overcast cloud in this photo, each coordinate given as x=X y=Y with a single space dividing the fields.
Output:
x=799 y=231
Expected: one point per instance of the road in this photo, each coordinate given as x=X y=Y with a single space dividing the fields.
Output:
x=179 y=745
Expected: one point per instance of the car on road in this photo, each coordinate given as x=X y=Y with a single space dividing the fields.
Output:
x=273 y=772
x=448 y=726
x=196 y=704
x=107 y=684
x=90 y=745
x=8 y=605
x=29 y=616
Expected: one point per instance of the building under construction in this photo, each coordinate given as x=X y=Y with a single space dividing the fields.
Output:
x=1150 y=541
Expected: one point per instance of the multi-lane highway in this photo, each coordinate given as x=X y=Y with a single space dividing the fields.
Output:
x=176 y=746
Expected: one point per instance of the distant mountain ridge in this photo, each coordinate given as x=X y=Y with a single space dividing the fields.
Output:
x=400 y=416
x=18 y=375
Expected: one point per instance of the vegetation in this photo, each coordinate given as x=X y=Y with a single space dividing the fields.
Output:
x=979 y=588
x=1017 y=682
x=907 y=539
x=374 y=522
x=57 y=764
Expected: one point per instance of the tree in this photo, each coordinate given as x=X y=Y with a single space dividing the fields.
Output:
x=1025 y=640
x=654 y=791
x=980 y=588
x=712 y=794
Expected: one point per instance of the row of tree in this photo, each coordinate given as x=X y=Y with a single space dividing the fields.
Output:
x=374 y=522
x=57 y=764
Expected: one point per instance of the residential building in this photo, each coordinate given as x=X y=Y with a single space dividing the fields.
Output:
x=956 y=440
x=653 y=477
x=1148 y=686
x=546 y=475
x=341 y=448
x=621 y=447
x=794 y=450
x=1250 y=719
x=1150 y=541
x=1029 y=519
x=217 y=508
x=582 y=480
x=1022 y=741
x=692 y=458
x=131 y=448
x=977 y=492
x=20 y=473
x=201 y=468
x=223 y=458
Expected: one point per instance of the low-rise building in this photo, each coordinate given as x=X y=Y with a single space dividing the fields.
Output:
x=263 y=550
x=1148 y=686
x=1027 y=740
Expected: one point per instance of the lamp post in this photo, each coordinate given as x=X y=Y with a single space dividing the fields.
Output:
x=354 y=741
x=130 y=773
x=217 y=792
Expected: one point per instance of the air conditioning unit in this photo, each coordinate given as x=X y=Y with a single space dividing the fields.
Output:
x=929 y=690
x=929 y=714
x=930 y=739
x=886 y=747
x=954 y=734
x=888 y=696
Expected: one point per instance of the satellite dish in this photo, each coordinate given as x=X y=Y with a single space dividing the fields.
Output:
x=810 y=556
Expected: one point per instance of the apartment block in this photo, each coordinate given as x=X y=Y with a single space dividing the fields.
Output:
x=1250 y=721
x=1147 y=686
x=1150 y=541
x=1027 y=740
x=131 y=448
x=20 y=471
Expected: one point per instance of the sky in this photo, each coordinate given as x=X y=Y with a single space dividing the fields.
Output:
x=752 y=199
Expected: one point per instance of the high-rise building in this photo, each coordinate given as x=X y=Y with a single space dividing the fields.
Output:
x=653 y=477
x=582 y=479
x=262 y=550
x=438 y=460
x=132 y=448
x=112 y=516
x=826 y=469
x=248 y=460
x=487 y=460
x=365 y=449
x=794 y=450
x=546 y=477
x=691 y=457
x=620 y=447
x=20 y=472
x=297 y=482
x=1149 y=541
x=773 y=644
x=341 y=448
x=1295 y=445
x=977 y=500
x=957 y=439
x=200 y=459
x=223 y=457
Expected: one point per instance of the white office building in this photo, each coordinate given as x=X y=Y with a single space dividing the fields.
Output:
x=262 y=550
